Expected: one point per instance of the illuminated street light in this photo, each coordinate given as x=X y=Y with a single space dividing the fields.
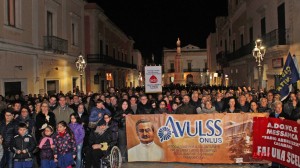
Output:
x=80 y=65
x=258 y=53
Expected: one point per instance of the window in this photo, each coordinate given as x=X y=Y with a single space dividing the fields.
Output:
x=251 y=34
x=114 y=53
x=11 y=12
x=189 y=66
x=242 y=40
x=229 y=32
x=73 y=34
x=125 y=57
x=172 y=66
x=101 y=47
x=106 y=49
x=74 y=39
x=221 y=43
x=49 y=23
x=263 y=26
x=225 y=45
x=233 y=45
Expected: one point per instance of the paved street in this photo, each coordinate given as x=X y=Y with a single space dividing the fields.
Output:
x=185 y=165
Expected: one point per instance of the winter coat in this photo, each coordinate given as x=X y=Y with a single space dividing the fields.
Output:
x=25 y=142
x=41 y=120
x=143 y=108
x=186 y=109
x=63 y=113
x=8 y=132
x=46 y=152
x=78 y=132
x=118 y=117
x=28 y=121
x=64 y=144
x=94 y=117
x=107 y=137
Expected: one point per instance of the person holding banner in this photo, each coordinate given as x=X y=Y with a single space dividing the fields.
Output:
x=147 y=150
x=278 y=113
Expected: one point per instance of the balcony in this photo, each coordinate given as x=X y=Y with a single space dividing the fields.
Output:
x=270 y=39
x=55 y=44
x=104 y=59
x=171 y=70
x=192 y=70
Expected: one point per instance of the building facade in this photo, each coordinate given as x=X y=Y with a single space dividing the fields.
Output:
x=275 y=22
x=109 y=53
x=185 y=65
x=38 y=48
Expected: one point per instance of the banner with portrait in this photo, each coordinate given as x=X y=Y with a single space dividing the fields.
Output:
x=199 y=138
x=277 y=140
x=153 y=79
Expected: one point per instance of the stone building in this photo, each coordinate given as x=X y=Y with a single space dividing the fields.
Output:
x=110 y=53
x=275 y=22
x=185 y=65
x=39 y=43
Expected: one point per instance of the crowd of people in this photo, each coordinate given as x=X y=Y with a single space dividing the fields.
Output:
x=55 y=130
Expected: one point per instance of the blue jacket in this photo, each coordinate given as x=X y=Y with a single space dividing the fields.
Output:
x=78 y=132
x=94 y=114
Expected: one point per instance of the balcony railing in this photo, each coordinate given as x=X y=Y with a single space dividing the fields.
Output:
x=192 y=70
x=171 y=70
x=270 y=39
x=55 y=44
x=100 y=58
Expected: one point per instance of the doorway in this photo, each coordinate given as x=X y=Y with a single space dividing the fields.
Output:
x=12 y=88
x=52 y=87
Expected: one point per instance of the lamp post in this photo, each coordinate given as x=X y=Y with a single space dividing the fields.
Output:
x=80 y=65
x=258 y=53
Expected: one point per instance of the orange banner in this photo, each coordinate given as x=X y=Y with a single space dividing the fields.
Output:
x=200 y=138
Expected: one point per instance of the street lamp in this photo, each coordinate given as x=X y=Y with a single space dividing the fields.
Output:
x=80 y=65
x=258 y=53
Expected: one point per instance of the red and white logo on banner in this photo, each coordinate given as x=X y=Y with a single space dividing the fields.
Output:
x=153 y=79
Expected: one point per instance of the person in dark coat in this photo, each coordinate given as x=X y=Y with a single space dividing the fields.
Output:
x=232 y=106
x=100 y=138
x=162 y=108
x=120 y=117
x=8 y=129
x=278 y=112
x=186 y=107
x=143 y=106
x=46 y=149
x=43 y=119
x=22 y=146
x=24 y=117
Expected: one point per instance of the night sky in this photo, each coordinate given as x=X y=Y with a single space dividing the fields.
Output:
x=154 y=24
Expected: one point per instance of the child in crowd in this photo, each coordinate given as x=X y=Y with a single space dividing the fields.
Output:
x=46 y=145
x=78 y=131
x=22 y=146
x=65 y=146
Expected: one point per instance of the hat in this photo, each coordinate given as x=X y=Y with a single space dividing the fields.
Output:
x=101 y=122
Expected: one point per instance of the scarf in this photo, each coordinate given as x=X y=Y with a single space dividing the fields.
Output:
x=62 y=134
x=100 y=131
x=44 y=140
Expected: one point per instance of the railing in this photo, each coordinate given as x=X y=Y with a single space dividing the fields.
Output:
x=55 y=44
x=276 y=37
x=270 y=39
x=192 y=70
x=100 y=58
x=171 y=70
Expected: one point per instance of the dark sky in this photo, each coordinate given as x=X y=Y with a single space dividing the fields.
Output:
x=154 y=24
